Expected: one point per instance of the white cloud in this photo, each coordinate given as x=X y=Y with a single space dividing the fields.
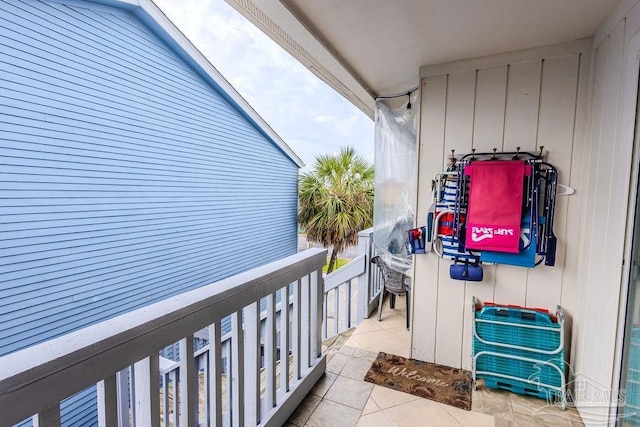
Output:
x=311 y=117
x=323 y=119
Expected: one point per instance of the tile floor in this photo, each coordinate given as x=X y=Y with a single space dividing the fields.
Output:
x=341 y=398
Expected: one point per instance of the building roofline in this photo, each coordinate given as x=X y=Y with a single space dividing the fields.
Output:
x=161 y=25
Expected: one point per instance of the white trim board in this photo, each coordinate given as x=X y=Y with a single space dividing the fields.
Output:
x=620 y=12
x=278 y=22
x=508 y=58
x=627 y=125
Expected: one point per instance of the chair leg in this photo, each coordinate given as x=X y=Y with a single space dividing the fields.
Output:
x=392 y=301
x=380 y=304
x=408 y=305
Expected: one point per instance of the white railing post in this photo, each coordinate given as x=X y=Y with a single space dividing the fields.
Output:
x=325 y=317
x=348 y=298
x=215 y=375
x=336 y=310
x=334 y=284
x=365 y=243
x=227 y=349
x=270 y=353
x=285 y=341
x=108 y=402
x=251 y=355
x=296 y=332
x=188 y=383
x=147 y=384
x=305 y=338
x=122 y=382
x=316 y=294
x=237 y=380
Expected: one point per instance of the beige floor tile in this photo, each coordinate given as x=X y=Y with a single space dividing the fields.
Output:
x=543 y=419
x=353 y=393
x=470 y=419
x=492 y=402
x=356 y=369
x=574 y=416
x=527 y=403
x=376 y=341
x=337 y=363
x=567 y=417
x=346 y=398
x=324 y=384
x=370 y=407
x=537 y=411
x=402 y=336
x=398 y=351
x=352 y=342
x=523 y=407
x=393 y=320
x=331 y=414
x=387 y=398
x=368 y=325
x=377 y=419
x=367 y=355
x=304 y=410
x=501 y=422
x=347 y=350
x=400 y=305
x=420 y=412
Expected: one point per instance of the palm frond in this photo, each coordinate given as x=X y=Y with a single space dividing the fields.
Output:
x=336 y=199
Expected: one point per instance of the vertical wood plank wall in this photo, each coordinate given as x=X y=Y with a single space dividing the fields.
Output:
x=603 y=259
x=527 y=99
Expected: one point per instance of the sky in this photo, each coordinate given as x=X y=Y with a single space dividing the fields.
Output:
x=308 y=115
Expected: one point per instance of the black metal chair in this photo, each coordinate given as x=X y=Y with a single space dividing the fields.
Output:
x=395 y=283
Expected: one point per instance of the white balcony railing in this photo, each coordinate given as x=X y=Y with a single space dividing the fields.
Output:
x=121 y=356
x=350 y=292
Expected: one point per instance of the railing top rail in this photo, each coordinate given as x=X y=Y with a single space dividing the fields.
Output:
x=347 y=272
x=366 y=232
x=58 y=368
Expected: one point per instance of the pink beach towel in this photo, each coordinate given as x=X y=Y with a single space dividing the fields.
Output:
x=495 y=204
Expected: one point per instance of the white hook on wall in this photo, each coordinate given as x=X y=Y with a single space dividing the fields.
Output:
x=566 y=190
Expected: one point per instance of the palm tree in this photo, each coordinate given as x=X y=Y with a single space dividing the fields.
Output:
x=336 y=200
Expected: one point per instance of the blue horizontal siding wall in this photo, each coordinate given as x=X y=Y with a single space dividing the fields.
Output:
x=124 y=177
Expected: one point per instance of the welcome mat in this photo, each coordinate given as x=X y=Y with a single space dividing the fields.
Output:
x=435 y=382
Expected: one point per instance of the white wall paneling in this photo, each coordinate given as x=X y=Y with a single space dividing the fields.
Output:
x=602 y=270
x=520 y=99
x=555 y=132
x=596 y=266
x=458 y=136
x=488 y=133
x=579 y=101
x=520 y=130
x=575 y=209
x=430 y=155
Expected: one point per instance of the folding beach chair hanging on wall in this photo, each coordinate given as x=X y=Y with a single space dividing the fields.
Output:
x=500 y=212
x=495 y=205
x=441 y=234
